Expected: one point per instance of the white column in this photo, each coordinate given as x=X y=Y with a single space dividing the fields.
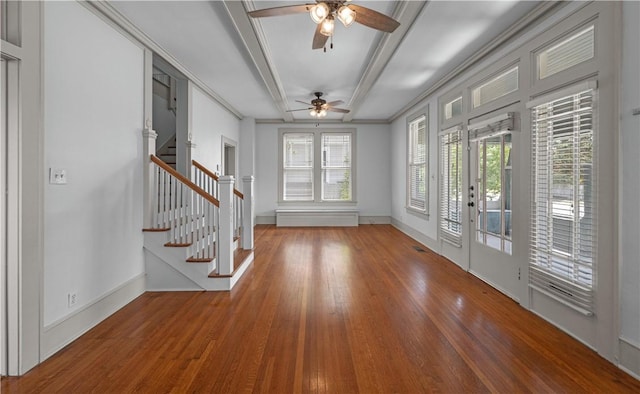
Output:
x=148 y=148
x=225 y=227
x=190 y=148
x=247 y=215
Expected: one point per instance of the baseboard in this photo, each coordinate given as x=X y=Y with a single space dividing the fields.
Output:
x=266 y=219
x=59 y=334
x=629 y=358
x=417 y=235
x=374 y=220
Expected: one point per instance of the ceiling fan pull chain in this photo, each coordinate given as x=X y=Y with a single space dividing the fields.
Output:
x=331 y=42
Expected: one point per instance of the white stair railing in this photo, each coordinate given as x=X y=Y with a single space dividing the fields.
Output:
x=188 y=212
x=209 y=181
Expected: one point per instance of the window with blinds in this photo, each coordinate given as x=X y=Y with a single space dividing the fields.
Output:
x=574 y=50
x=336 y=167
x=417 y=166
x=495 y=88
x=451 y=186
x=297 y=171
x=563 y=214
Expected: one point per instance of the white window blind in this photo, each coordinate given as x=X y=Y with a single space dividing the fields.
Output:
x=495 y=88
x=563 y=214
x=417 y=169
x=297 y=168
x=567 y=53
x=336 y=167
x=451 y=186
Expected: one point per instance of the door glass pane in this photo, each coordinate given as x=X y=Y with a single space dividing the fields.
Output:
x=493 y=178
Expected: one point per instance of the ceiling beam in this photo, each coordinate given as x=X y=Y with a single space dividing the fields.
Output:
x=405 y=12
x=255 y=41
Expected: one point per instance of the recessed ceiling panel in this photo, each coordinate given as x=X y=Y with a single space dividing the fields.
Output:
x=443 y=36
x=200 y=35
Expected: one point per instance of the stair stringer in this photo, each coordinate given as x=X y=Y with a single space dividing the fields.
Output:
x=177 y=273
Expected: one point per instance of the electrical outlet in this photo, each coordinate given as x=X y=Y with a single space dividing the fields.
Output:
x=72 y=299
x=57 y=176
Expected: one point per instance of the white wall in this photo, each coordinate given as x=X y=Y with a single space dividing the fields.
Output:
x=93 y=121
x=629 y=212
x=209 y=122
x=373 y=158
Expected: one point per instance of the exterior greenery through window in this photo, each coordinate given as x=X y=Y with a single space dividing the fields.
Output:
x=316 y=166
x=564 y=203
x=417 y=166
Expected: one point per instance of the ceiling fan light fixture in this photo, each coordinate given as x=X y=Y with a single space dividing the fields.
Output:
x=319 y=12
x=327 y=26
x=346 y=15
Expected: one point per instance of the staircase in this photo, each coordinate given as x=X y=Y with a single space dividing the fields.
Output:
x=199 y=234
x=167 y=152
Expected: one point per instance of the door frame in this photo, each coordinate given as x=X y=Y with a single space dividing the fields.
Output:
x=228 y=142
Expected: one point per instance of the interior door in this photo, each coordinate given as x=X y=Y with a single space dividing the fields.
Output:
x=491 y=157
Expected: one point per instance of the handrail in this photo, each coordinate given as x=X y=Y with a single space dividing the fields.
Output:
x=214 y=176
x=204 y=169
x=186 y=181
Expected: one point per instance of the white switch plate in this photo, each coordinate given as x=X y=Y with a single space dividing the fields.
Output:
x=57 y=176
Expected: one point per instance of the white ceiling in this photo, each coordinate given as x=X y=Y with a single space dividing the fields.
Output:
x=261 y=66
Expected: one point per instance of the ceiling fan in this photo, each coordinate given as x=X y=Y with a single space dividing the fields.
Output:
x=318 y=107
x=324 y=14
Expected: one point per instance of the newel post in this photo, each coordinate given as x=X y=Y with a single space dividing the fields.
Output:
x=191 y=147
x=148 y=148
x=247 y=214
x=225 y=249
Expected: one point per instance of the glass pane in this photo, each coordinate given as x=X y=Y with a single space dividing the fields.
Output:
x=453 y=108
x=298 y=184
x=494 y=191
x=497 y=87
x=336 y=150
x=336 y=184
x=568 y=53
x=298 y=150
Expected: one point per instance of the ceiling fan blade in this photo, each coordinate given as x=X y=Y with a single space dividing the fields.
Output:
x=374 y=19
x=278 y=11
x=332 y=103
x=302 y=102
x=319 y=40
x=341 y=110
x=301 y=109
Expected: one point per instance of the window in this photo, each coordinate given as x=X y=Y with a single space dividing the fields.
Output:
x=417 y=166
x=336 y=167
x=567 y=53
x=297 y=171
x=495 y=88
x=317 y=166
x=452 y=109
x=451 y=186
x=563 y=203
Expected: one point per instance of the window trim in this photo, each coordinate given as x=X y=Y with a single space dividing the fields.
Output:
x=423 y=113
x=317 y=166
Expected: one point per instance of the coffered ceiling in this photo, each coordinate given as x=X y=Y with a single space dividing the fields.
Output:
x=260 y=67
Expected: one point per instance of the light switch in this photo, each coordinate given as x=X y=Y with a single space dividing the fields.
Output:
x=57 y=176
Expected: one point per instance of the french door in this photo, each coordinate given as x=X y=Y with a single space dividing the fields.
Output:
x=491 y=155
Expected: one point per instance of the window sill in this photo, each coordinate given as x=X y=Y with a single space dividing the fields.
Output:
x=417 y=212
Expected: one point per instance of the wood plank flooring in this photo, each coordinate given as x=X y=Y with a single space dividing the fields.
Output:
x=338 y=310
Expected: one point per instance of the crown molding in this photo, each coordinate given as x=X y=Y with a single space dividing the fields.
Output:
x=538 y=14
x=112 y=16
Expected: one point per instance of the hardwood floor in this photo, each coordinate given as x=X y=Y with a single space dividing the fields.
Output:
x=339 y=310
